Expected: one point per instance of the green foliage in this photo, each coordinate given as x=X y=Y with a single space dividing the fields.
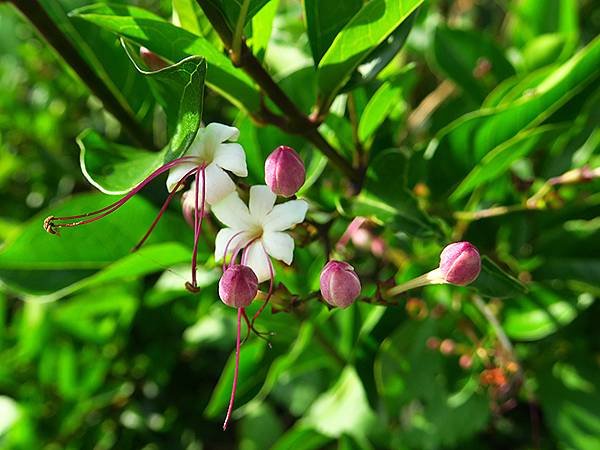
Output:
x=424 y=122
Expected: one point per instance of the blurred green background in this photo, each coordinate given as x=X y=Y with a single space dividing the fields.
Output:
x=135 y=362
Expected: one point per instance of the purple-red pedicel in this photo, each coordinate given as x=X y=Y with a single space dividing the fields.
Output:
x=237 y=288
x=284 y=171
x=340 y=285
x=460 y=263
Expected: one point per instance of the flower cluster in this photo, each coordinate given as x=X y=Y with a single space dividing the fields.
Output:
x=257 y=232
x=253 y=234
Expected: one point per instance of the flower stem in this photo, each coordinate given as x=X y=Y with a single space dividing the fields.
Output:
x=433 y=277
x=236 y=370
x=39 y=18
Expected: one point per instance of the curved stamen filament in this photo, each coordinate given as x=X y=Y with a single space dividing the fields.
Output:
x=50 y=225
x=237 y=367
x=162 y=210
x=270 y=293
x=198 y=216
x=234 y=253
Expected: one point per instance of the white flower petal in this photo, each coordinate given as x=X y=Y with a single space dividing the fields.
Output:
x=258 y=260
x=198 y=147
x=285 y=215
x=220 y=133
x=261 y=201
x=230 y=239
x=279 y=245
x=233 y=212
x=231 y=157
x=218 y=184
x=176 y=174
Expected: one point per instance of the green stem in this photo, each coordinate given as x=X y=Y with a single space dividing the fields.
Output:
x=296 y=121
x=239 y=28
x=46 y=27
x=498 y=330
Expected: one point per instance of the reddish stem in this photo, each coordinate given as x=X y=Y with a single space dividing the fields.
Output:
x=236 y=370
x=271 y=278
x=198 y=216
x=162 y=210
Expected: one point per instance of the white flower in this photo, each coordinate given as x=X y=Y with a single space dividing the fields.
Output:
x=211 y=148
x=259 y=228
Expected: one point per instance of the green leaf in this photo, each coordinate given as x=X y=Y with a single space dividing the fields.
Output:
x=251 y=359
x=96 y=315
x=230 y=9
x=343 y=409
x=262 y=26
x=541 y=312
x=379 y=107
x=382 y=55
x=569 y=397
x=386 y=200
x=498 y=160
x=154 y=33
x=185 y=16
x=459 y=146
x=324 y=20
x=548 y=49
x=370 y=27
x=458 y=54
x=97 y=47
x=495 y=282
x=116 y=169
x=301 y=438
x=38 y=263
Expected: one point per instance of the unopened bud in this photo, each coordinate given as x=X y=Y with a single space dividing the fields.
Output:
x=340 y=286
x=152 y=60
x=238 y=286
x=188 y=206
x=284 y=171
x=460 y=263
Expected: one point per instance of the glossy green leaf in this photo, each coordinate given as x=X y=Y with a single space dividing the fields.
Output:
x=498 y=160
x=382 y=55
x=380 y=105
x=343 y=409
x=371 y=26
x=251 y=358
x=154 y=33
x=97 y=47
x=385 y=198
x=569 y=394
x=459 y=146
x=548 y=49
x=459 y=53
x=184 y=15
x=324 y=20
x=230 y=9
x=62 y=261
x=495 y=282
x=541 y=312
x=262 y=27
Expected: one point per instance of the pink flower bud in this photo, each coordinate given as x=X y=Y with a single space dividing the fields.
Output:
x=340 y=285
x=188 y=206
x=152 y=60
x=238 y=286
x=284 y=171
x=460 y=263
